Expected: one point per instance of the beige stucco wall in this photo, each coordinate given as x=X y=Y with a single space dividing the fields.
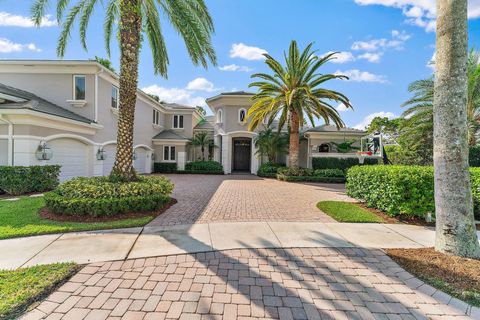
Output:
x=56 y=88
x=3 y=152
x=329 y=139
x=188 y=123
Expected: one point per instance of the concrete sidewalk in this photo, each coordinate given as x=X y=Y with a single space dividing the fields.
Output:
x=120 y=244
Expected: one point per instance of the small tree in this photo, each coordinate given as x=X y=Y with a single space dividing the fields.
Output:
x=270 y=143
x=202 y=139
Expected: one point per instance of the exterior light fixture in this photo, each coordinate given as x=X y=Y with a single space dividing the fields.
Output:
x=101 y=154
x=43 y=152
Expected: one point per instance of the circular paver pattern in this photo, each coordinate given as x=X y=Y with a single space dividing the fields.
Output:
x=307 y=283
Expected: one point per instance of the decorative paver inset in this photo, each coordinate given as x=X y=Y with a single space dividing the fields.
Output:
x=306 y=283
x=229 y=198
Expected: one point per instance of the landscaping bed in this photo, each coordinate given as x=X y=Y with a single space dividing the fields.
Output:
x=22 y=287
x=459 y=277
x=309 y=175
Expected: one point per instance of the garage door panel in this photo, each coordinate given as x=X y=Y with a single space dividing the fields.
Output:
x=72 y=155
x=141 y=158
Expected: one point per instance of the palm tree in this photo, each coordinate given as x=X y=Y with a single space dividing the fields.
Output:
x=190 y=18
x=203 y=140
x=293 y=94
x=455 y=227
x=270 y=143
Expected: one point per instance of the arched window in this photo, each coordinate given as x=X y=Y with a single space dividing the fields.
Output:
x=242 y=115
x=219 y=116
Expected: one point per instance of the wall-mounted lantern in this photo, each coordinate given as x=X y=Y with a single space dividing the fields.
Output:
x=134 y=155
x=43 y=152
x=153 y=157
x=101 y=154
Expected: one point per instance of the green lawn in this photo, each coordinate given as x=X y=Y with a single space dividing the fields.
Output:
x=19 y=288
x=347 y=212
x=20 y=218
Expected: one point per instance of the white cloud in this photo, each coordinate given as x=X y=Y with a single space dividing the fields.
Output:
x=7 y=46
x=362 y=76
x=342 y=107
x=431 y=63
x=201 y=84
x=421 y=13
x=366 y=121
x=371 y=57
x=342 y=57
x=177 y=95
x=241 y=50
x=12 y=20
x=397 y=41
x=234 y=67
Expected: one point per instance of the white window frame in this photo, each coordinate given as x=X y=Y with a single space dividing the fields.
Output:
x=178 y=121
x=118 y=97
x=74 y=93
x=156 y=117
x=219 y=116
x=167 y=157
x=238 y=118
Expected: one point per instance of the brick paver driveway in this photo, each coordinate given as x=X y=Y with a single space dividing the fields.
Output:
x=316 y=283
x=210 y=198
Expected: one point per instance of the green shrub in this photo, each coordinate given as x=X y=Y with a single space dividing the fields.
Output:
x=164 y=167
x=404 y=190
x=337 y=173
x=339 y=163
x=474 y=156
x=16 y=180
x=99 y=196
x=269 y=169
x=204 y=166
x=295 y=172
x=282 y=177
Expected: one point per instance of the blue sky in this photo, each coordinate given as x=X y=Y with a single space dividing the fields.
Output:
x=384 y=45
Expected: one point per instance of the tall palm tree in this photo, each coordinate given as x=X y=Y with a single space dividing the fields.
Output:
x=137 y=18
x=293 y=94
x=203 y=140
x=455 y=227
x=270 y=143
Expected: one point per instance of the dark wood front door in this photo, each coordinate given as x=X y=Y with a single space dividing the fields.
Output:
x=242 y=148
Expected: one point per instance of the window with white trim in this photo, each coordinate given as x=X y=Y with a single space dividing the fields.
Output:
x=177 y=122
x=219 y=116
x=114 y=103
x=169 y=153
x=79 y=87
x=156 y=117
x=242 y=115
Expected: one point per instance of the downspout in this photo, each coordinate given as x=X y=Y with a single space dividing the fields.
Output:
x=10 y=140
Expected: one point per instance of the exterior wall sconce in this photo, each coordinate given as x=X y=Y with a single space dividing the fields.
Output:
x=43 y=152
x=101 y=154
x=134 y=155
x=154 y=157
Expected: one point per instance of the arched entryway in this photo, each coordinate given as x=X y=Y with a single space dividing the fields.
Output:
x=242 y=154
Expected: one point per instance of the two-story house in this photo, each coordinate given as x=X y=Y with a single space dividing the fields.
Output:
x=66 y=112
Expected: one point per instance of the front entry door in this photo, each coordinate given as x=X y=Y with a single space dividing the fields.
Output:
x=242 y=148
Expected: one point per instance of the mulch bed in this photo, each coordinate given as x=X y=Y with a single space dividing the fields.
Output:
x=47 y=214
x=460 y=276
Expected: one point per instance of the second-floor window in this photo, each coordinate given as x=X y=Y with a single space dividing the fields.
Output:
x=242 y=114
x=114 y=103
x=156 y=117
x=79 y=85
x=169 y=153
x=178 y=122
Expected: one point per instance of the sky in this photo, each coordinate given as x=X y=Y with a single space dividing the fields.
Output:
x=383 y=45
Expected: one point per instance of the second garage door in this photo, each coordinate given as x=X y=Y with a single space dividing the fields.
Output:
x=72 y=155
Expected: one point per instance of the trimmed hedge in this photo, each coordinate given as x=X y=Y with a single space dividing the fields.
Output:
x=339 y=163
x=204 y=167
x=269 y=169
x=407 y=190
x=99 y=196
x=164 y=167
x=17 y=180
x=309 y=175
x=199 y=172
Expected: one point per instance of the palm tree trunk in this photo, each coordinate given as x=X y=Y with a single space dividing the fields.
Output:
x=455 y=229
x=294 y=140
x=130 y=28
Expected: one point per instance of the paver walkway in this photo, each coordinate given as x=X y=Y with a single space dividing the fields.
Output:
x=308 y=283
x=228 y=198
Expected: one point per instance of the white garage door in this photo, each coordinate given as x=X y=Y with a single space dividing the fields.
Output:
x=72 y=155
x=110 y=151
x=141 y=158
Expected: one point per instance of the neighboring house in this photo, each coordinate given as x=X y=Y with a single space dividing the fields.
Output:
x=236 y=144
x=70 y=108
x=66 y=112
